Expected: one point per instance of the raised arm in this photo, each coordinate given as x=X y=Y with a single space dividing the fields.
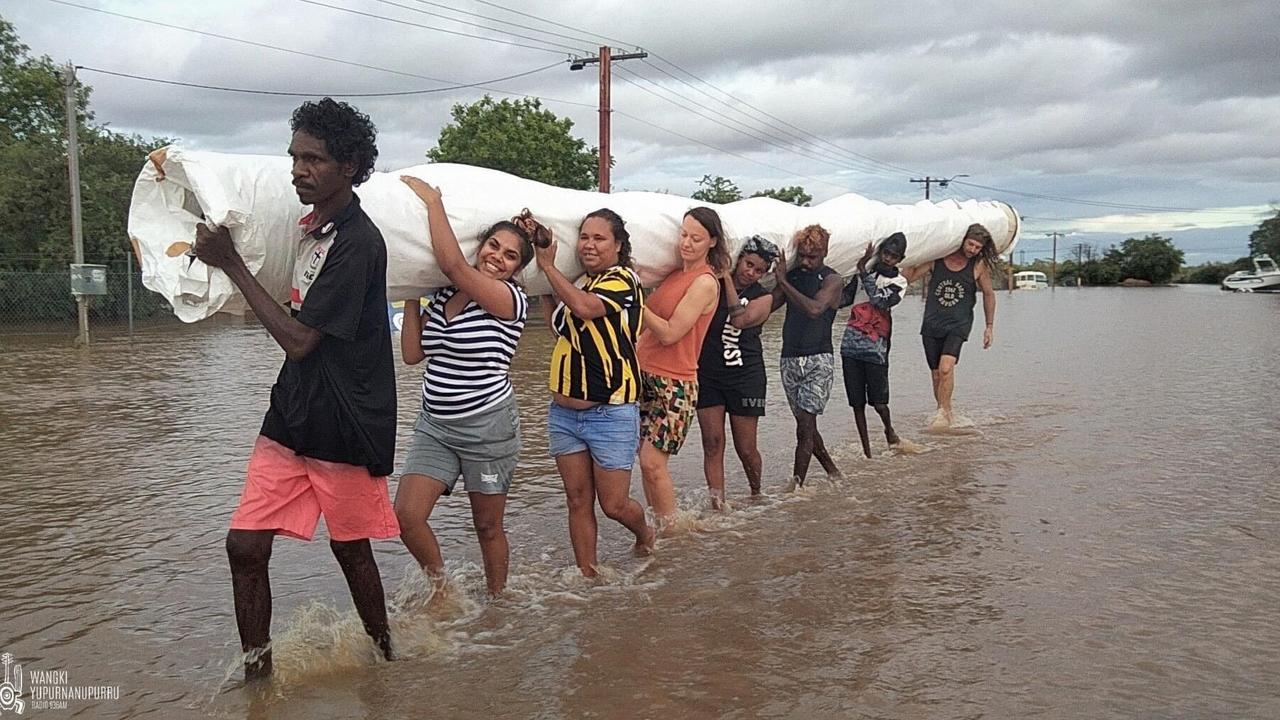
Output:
x=584 y=305
x=492 y=294
x=915 y=273
x=411 y=334
x=698 y=300
x=988 y=304
x=215 y=249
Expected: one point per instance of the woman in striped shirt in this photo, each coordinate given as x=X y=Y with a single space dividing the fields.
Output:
x=593 y=424
x=468 y=426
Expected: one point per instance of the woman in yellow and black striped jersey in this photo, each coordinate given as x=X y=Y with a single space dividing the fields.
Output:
x=594 y=422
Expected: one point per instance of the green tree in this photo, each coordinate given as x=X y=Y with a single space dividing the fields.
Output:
x=1212 y=273
x=1265 y=240
x=793 y=194
x=521 y=138
x=1152 y=258
x=1103 y=271
x=717 y=190
x=35 y=217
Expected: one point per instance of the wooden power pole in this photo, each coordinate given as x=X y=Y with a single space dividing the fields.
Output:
x=1053 y=268
x=73 y=173
x=605 y=59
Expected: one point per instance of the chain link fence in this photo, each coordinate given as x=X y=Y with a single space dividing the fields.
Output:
x=40 y=302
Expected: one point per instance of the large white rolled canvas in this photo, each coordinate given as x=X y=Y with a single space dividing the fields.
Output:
x=254 y=197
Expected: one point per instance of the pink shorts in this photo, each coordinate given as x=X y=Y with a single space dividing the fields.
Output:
x=288 y=493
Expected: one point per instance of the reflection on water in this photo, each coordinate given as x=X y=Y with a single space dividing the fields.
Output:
x=1107 y=544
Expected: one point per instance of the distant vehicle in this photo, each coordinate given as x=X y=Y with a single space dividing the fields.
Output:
x=1264 y=277
x=1030 y=280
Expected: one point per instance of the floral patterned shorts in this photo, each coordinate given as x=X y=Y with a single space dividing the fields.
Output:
x=667 y=407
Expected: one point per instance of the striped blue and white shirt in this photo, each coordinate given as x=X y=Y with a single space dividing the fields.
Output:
x=468 y=357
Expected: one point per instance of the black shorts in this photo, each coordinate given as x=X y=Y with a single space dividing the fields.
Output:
x=936 y=347
x=743 y=399
x=865 y=382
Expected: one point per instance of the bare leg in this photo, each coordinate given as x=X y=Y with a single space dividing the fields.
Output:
x=711 y=422
x=580 y=492
x=936 y=376
x=946 y=384
x=613 y=488
x=249 y=553
x=658 y=490
x=820 y=451
x=890 y=436
x=486 y=513
x=860 y=419
x=358 y=565
x=744 y=443
x=806 y=428
x=416 y=497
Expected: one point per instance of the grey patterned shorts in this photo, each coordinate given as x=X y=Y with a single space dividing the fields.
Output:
x=807 y=381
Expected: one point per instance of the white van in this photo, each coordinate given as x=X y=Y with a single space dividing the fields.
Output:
x=1030 y=280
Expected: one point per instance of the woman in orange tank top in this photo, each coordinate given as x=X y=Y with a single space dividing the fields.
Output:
x=675 y=322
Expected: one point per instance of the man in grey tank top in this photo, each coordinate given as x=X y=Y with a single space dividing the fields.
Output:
x=950 y=291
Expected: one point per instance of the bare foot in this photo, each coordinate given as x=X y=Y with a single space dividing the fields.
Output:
x=891 y=437
x=440 y=592
x=717 y=501
x=795 y=482
x=644 y=546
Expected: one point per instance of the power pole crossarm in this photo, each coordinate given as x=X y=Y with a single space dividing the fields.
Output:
x=605 y=59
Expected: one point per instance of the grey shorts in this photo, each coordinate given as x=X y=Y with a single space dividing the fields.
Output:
x=482 y=449
x=807 y=381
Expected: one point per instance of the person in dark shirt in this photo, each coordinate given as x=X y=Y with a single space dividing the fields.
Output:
x=328 y=439
x=731 y=377
x=864 y=349
x=950 y=293
x=811 y=292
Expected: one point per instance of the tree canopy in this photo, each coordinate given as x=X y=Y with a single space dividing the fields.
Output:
x=716 y=189
x=521 y=138
x=1152 y=258
x=1265 y=240
x=793 y=194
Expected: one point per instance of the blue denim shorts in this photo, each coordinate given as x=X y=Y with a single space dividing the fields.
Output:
x=610 y=432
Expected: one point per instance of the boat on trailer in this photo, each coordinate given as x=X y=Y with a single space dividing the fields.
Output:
x=1264 y=277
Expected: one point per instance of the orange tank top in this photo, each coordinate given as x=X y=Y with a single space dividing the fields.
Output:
x=678 y=360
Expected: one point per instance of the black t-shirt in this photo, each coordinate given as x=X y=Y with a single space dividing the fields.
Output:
x=339 y=402
x=801 y=334
x=729 y=354
x=949 y=301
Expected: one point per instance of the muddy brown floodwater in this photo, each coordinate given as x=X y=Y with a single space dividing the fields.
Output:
x=1105 y=544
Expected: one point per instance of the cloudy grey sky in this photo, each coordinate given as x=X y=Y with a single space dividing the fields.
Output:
x=1166 y=113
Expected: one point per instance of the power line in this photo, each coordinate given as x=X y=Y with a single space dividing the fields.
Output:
x=726 y=152
x=468 y=23
x=1095 y=203
x=852 y=158
x=861 y=162
x=504 y=22
x=242 y=41
x=606 y=38
x=428 y=27
x=692 y=108
x=400 y=93
x=315 y=56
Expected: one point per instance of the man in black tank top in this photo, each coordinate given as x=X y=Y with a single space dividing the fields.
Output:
x=950 y=293
x=811 y=292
